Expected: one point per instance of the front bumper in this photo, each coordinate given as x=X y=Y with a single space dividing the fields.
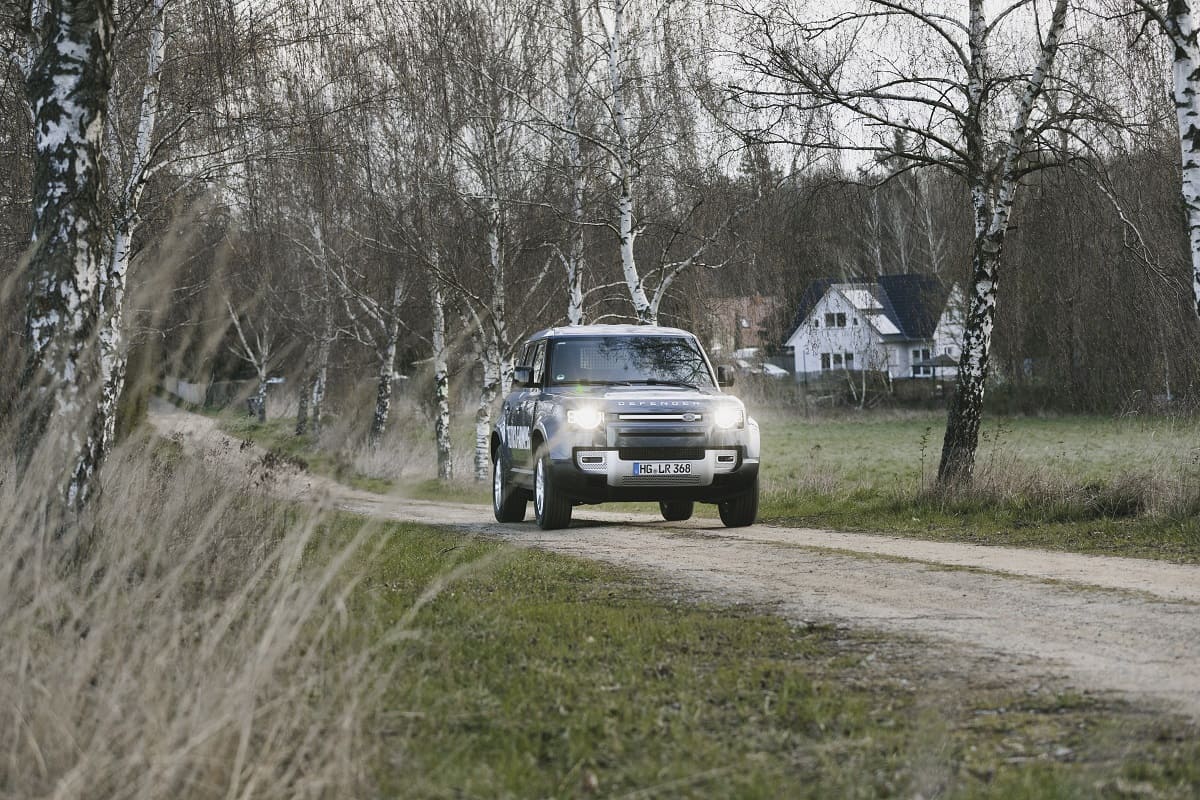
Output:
x=597 y=475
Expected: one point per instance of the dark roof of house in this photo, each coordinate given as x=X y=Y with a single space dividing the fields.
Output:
x=914 y=303
x=809 y=299
x=917 y=302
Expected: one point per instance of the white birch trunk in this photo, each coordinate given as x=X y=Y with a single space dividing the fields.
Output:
x=490 y=358
x=387 y=369
x=497 y=257
x=260 y=398
x=67 y=87
x=316 y=405
x=258 y=356
x=575 y=250
x=1185 y=72
x=441 y=384
x=624 y=156
x=492 y=343
x=113 y=347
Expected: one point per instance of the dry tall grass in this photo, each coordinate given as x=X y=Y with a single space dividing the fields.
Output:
x=188 y=639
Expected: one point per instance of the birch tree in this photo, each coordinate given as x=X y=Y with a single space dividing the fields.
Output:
x=654 y=118
x=1177 y=21
x=258 y=350
x=980 y=118
x=67 y=85
x=576 y=78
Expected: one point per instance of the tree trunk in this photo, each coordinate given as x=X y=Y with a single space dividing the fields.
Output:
x=321 y=374
x=302 y=406
x=490 y=358
x=1185 y=77
x=260 y=398
x=67 y=87
x=113 y=347
x=957 y=466
x=387 y=369
x=441 y=385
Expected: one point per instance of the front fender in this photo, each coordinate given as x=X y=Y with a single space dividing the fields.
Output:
x=753 y=439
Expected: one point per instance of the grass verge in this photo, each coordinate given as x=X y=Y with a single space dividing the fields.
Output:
x=537 y=675
x=988 y=520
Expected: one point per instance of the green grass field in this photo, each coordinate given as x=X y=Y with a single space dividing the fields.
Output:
x=536 y=675
x=1085 y=484
x=884 y=450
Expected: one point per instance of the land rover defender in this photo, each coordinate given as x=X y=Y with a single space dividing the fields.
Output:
x=617 y=413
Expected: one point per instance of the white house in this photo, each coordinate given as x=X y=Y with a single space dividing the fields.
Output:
x=909 y=326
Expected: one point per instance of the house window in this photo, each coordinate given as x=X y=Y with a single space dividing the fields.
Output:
x=816 y=322
x=854 y=321
x=837 y=360
x=921 y=354
x=830 y=320
x=849 y=360
x=824 y=360
x=841 y=320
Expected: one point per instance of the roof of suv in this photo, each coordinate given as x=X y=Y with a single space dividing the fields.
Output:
x=610 y=330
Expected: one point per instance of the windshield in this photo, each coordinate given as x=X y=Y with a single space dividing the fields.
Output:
x=628 y=360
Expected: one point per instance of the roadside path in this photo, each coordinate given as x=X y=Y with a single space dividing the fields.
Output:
x=1129 y=626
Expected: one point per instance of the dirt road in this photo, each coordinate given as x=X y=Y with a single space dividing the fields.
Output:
x=1095 y=623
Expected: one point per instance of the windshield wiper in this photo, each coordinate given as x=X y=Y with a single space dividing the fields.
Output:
x=680 y=384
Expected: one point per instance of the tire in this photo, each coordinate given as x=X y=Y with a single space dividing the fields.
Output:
x=740 y=511
x=552 y=510
x=508 y=501
x=676 y=510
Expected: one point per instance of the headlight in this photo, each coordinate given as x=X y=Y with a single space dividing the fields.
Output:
x=586 y=418
x=728 y=417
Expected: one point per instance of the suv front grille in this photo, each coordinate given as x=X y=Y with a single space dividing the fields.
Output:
x=661 y=453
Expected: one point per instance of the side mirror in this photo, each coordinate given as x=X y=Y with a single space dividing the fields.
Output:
x=724 y=376
x=522 y=376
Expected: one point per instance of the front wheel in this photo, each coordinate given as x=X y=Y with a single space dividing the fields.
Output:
x=552 y=510
x=508 y=502
x=676 y=510
x=740 y=511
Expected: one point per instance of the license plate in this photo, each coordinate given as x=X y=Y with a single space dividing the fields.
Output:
x=662 y=468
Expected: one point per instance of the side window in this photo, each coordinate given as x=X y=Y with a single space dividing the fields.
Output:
x=539 y=363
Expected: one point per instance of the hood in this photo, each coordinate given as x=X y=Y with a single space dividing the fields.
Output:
x=643 y=398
